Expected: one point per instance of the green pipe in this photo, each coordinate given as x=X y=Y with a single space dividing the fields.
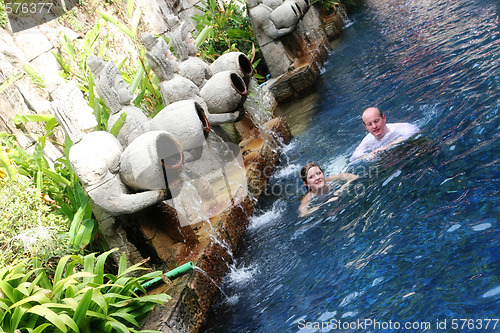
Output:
x=173 y=274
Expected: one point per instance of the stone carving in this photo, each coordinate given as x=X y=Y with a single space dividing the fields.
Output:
x=173 y=87
x=221 y=96
x=96 y=156
x=117 y=96
x=190 y=66
x=271 y=20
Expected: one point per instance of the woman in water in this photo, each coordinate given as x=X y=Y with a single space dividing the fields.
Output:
x=315 y=182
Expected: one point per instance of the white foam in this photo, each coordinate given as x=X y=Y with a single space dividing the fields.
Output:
x=349 y=314
x=454 y=227
x=268 y=217
x=286 y=171
x=481 y=227
x=327 y=316
x=349 y=298
x=493 y=292
x=239 y=276
x=391 y=177
x=336 y=166
x=377 y=281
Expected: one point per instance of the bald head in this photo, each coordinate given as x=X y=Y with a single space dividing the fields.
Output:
x=370 y=113
x=375 y=122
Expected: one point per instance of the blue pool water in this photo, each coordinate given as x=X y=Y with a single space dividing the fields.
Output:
x=416 y=240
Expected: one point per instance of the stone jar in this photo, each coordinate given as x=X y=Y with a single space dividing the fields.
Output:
x=196 y=70
x=287 y=15
x=178 y=88
x=224 y=92
x=186 y=121
x=151 y=158
x=302 y=4
x=234 y=61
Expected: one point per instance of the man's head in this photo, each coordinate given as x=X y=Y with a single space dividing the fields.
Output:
x=375 y=122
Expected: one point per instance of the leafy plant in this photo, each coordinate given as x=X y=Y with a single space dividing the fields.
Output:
x=39 y=230
x=3 y=15
x=331 y=5
x=224 y=27
x=79 y=297
x=58 y=186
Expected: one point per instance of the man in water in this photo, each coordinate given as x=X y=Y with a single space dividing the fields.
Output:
x=381 y=135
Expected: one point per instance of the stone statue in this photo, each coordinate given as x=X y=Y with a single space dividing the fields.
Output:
x=190 y=66
x=269 y=25
x=116 y=95
x=173 y=87
x=95 y=156
x=220 y=98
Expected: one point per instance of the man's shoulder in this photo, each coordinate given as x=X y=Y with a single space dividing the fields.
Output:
x=403 y=129
x=402 y=126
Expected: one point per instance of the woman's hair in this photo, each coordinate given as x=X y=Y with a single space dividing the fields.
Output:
x=305 y=170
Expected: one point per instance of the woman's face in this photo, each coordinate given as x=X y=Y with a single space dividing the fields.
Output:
x=315 y=179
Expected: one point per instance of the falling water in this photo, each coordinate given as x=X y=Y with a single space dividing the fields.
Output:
x=205 y=274
x=228 y=157
x=421 y=241
x=258 y=105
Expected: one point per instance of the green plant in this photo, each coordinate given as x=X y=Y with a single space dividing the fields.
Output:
x=224 y=27
x=38 y=230
x=331 y=5
x=3 y=15
x=79 y=297
x=57 y=185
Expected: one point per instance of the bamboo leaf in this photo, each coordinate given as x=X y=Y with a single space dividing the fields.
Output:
x=41 y=328
x=139 y=75
x=84 y=234
x=135 y=20
x=117 y=326
x=130 y=7
x=17 y=315
x=56 y=176
x=77 y=220
x=122 y=265
x=203 y=35
x=40 y=298
x=82 y=308
x=68 y=321
x=88 y=266
x=126 y=316
x=10 y=81
x=36 y=77
x=19 y=119
x=110 y=18
x=118 y=124
x=49 y=315
x=99 y=266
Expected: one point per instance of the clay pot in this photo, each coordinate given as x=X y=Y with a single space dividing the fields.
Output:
x=234 y=61
x=186 y=121
x=196 y=70
x=287 y=15
x=224 y=92
x=178 y=88
x=152 y=160
x=303 y=5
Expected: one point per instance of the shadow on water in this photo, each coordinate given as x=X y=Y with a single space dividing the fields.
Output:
x=416 y=239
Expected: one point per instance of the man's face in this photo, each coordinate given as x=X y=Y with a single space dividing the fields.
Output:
x=375 y=123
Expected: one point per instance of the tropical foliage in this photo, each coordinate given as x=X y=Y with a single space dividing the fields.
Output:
x=225 y=27
x=78 y=297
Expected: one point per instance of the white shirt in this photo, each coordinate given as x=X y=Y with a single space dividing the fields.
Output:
x=396 y=131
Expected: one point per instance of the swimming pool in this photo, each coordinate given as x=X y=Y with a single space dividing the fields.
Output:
x=415 y=244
